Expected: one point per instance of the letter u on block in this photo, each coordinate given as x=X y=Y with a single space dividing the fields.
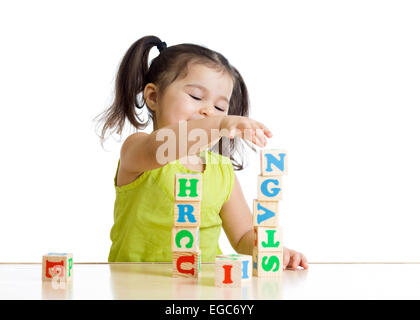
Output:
x=269 y=188
x=188 y=186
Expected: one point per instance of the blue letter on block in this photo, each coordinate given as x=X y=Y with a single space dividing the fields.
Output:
x=245 y=269
x=267 y=215
x=186 y=210
x=274 y=191
x=279 y=163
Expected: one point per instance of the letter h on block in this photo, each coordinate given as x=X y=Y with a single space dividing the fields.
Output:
x=57 y=266
x=188 y=188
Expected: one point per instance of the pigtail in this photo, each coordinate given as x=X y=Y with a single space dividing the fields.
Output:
x=131 y=80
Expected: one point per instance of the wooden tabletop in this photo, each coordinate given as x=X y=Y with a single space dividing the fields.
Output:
x=154 y=281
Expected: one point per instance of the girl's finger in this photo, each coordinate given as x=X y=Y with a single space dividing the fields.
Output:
x=286 y=259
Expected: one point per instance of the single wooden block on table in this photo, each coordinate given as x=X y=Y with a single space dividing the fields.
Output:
x=267 y=264
x=188 y=186
x=269 y=188
x=246 y=262
x=268 y=238
x=228 y=272
x=186 y=264
x=273 y=162
x=57 y=266
x=185 y=239
x=187 y=213
x=265 y=213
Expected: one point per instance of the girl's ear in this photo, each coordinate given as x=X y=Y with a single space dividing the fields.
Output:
x=150 y=96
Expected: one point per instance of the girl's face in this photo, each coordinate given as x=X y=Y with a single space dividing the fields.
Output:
x=204 y=92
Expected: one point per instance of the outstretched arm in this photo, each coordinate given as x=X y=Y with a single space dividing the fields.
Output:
x=237 y=224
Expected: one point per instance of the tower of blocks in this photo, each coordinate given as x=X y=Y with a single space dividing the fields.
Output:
x=267 y=258
x=186 y=255
x=57 y=266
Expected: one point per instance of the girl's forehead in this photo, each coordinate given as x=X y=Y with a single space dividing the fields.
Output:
x=207 y=77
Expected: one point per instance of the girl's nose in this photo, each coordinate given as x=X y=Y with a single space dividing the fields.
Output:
x=206 y=111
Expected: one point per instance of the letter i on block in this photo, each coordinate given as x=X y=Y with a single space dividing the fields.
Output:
x=246 y=261
x=57 y=265
x=228 y=272
x=267 y=264
x=186 y=264
x=273 y=162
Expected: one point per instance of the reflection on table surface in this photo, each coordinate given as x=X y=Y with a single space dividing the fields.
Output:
x=155 y=281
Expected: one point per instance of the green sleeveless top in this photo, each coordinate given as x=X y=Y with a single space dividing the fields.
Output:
x=144 y=211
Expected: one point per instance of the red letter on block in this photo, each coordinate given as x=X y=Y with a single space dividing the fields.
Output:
x=183 y=259
x=228 y=273
x=50 y=265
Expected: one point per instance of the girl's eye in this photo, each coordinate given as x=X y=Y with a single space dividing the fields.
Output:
x=220 y=109
x=195 y=98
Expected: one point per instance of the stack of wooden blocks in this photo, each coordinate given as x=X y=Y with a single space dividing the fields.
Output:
x=186 y=255
x=268 y=246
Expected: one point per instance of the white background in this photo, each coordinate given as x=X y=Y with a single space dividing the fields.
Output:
x=336 y=81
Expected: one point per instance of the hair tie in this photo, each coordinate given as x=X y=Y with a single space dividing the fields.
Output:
x=161 y=46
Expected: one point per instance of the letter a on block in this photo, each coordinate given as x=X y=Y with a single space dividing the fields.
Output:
x=265 y=213
x=273 y=162
x=188 y=186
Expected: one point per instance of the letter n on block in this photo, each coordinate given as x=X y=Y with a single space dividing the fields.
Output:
x=269 y=188
x=187 y=213
x=185 y=239
x=267 y=264
x=228 y=272
x=268 y=238
x=188 y=186
x=186 y=264
x=57 y=266
x=273 y=162
x=265 y=213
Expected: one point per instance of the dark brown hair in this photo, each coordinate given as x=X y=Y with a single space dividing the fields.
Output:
x=134 y=74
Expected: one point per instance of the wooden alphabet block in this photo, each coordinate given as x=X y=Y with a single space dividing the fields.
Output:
x=186 y=264
x=267 y=264
x=188 y=186
x=187 y=213
x=246 y=261
x=185 y=239
x=269 y=188
x=268 y=238
x=228 y=272
x=57 y=266
x=273 y=162
x=265 y=213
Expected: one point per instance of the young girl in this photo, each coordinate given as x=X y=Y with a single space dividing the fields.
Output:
x=197 y=87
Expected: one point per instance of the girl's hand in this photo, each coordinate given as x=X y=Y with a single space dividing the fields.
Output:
x=246 y=128
x=293 y=259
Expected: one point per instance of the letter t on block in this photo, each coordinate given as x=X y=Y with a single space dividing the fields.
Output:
x=188 y=186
